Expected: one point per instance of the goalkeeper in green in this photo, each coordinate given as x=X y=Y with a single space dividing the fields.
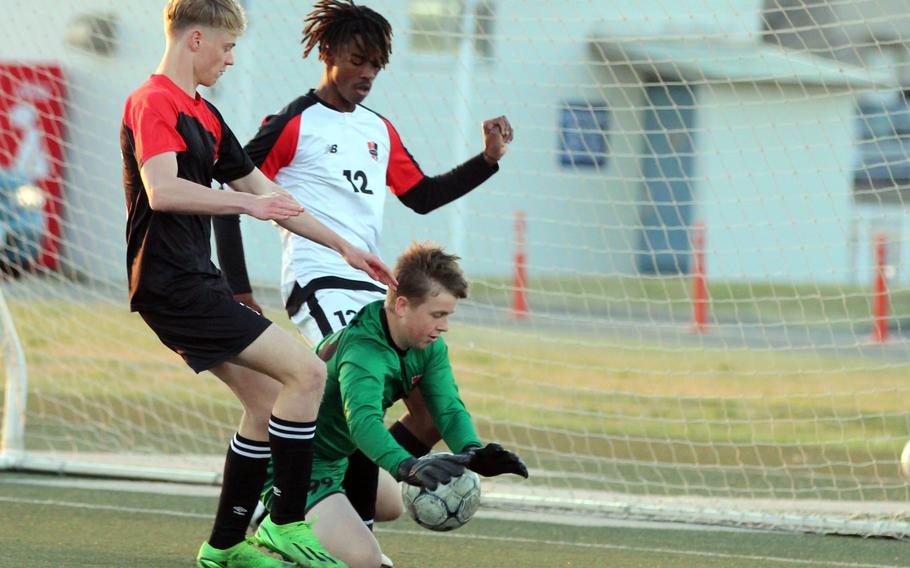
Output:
x=389 y=349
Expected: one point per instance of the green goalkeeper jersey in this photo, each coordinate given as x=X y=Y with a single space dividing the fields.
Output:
x=367 y=373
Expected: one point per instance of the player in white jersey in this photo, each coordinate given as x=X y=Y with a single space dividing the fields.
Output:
x=337 y=157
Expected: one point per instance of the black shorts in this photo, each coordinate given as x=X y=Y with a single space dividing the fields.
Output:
x=208 y=329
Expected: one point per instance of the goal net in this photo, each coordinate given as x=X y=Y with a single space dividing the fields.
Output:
x=689 y=283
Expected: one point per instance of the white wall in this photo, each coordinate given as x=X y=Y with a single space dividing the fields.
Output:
x=582 y=221
x=731 y=20
x=774 y=182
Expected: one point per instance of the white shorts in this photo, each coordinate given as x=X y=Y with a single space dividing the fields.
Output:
x=329 y=310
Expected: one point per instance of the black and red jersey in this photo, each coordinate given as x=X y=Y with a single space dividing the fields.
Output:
x=169 y=254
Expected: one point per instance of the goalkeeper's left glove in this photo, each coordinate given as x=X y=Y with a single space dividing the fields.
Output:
x=431 y=470
x=494 y=460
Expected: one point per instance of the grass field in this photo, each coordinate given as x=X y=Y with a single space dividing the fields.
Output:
x=46 y=525
x=629 y=411
x=622 y=413
x=667 y=298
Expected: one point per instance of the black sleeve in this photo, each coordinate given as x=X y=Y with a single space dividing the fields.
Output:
x=233 y=162
x=229 y=243
x=433 y=192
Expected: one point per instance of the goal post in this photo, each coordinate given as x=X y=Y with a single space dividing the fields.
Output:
x=759 y=148
x=12 y=437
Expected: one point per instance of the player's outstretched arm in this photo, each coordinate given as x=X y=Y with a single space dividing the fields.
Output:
x=432 y=470
x=310 y=228
x=493 y=459
x=169 y=193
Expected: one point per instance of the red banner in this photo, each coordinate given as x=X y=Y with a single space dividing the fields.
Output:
x=32 y=100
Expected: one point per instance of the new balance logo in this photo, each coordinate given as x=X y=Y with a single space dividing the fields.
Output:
x=331 y=149
x=238 y=510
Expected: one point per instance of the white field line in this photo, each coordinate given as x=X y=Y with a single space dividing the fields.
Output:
x=486 y=512
x=98 y=507
x=648 y=550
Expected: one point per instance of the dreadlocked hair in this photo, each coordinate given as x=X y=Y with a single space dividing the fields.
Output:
x=336 y=22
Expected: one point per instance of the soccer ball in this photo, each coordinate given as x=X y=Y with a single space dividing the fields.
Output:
x=448 y=506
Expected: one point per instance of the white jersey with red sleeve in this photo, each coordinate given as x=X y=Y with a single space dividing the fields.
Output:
x=337 y=165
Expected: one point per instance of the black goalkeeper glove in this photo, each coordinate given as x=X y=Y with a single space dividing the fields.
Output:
x=494 y=460
x=431 y=470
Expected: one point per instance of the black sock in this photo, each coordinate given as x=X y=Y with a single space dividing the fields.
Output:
x=244 y=474
x=292 y=457
x=408 y=441
x=360 y=483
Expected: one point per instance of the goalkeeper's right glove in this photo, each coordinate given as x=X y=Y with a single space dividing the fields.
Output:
x=431 y=470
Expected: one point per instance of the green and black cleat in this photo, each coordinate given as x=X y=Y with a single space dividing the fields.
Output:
x=241 y=555
x=297 y=543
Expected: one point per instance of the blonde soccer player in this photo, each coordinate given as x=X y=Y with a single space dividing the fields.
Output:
x=174 y=143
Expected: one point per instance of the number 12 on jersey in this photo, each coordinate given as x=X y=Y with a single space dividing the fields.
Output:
x=356 y=178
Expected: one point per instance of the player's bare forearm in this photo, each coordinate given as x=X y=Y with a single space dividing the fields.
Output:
x=172 y=194
x=256 y=183
x=310 y=228
x=182 y=196
x=303 y=224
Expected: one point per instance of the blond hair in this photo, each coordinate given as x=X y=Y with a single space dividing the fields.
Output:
x=218 y=14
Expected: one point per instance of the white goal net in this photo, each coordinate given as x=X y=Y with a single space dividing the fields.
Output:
x=689 y=278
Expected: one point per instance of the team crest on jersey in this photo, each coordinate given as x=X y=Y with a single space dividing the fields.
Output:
x=374 y=150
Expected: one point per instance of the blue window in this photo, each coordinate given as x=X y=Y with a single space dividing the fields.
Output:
x=883 y=150
x=583 y=129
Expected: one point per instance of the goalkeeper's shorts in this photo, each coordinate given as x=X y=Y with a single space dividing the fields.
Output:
x=326 y=480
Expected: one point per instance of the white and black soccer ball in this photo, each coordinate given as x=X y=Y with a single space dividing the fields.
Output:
x=448 y=506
